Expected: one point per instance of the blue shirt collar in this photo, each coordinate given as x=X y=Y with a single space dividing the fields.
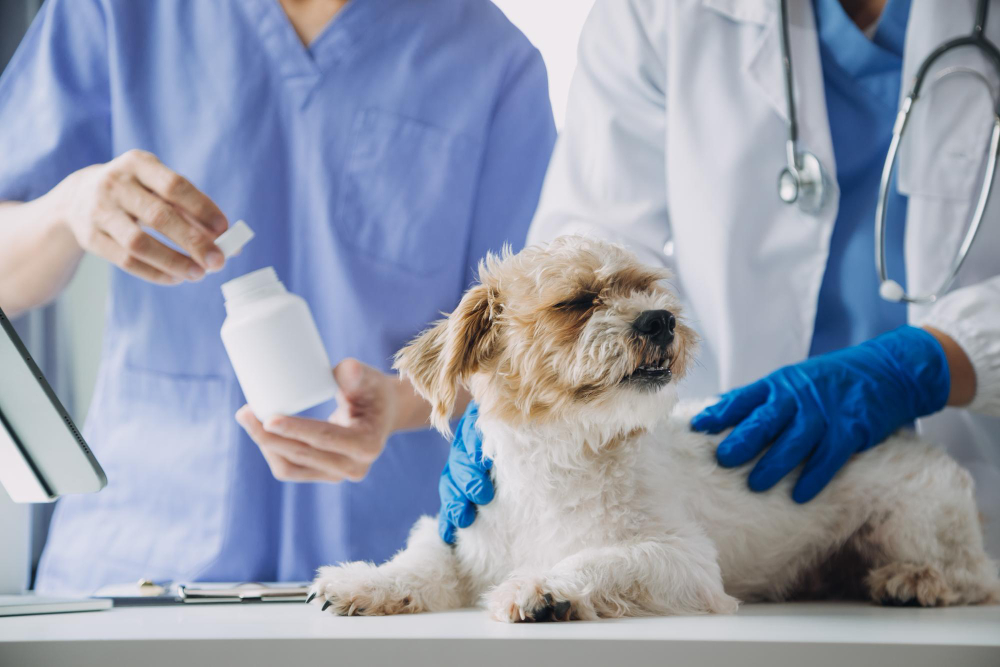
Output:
x=847 y=46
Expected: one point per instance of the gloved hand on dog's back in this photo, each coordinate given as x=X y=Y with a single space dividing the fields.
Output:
x=465 y=481
x=823 y=410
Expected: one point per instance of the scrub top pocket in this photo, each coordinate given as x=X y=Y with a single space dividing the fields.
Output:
x=407 y=192
x=165 y=442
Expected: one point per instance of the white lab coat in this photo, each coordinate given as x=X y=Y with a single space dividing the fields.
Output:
x=674 y=138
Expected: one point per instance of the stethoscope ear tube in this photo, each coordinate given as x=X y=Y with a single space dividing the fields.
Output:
x=889 y=289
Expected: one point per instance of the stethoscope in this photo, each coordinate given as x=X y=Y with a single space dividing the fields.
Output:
x=804 y=182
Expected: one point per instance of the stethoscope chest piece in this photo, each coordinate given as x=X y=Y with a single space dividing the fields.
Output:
x=804 y=184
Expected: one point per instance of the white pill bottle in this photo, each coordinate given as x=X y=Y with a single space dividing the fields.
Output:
x=274 y=346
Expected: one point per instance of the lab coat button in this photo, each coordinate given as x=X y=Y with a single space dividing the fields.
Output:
x=668 y=248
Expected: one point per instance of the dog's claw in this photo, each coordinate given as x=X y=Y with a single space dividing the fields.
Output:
x=312 y=596
x=325 y=605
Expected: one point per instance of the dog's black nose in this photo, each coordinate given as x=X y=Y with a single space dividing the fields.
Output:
x=656 y=325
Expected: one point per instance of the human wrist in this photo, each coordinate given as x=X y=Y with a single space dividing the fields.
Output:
x=51 y=211
x=960 y=369
x=411 y=411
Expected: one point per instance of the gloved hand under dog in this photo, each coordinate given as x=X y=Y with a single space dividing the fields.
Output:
x=823 y=410
x=465 y=480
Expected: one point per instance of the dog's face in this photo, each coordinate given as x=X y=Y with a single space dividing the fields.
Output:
x=576 y=330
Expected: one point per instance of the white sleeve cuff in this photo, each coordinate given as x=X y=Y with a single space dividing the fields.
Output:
x=969 y=322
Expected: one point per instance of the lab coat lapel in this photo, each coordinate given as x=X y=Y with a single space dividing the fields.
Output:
x=762 y=65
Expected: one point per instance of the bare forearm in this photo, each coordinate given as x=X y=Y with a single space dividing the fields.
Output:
x=963 y=375
x=413 y=412
x=38 y=254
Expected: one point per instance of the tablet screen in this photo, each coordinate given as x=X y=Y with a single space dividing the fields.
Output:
x=42 y=454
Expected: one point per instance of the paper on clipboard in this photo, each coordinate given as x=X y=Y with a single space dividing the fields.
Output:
x=246 y=592
x=149 y=593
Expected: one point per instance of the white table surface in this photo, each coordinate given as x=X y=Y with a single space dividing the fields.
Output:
x=803 y=634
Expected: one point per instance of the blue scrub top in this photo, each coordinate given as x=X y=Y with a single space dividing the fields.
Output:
x=861 y=80
x=377 y=166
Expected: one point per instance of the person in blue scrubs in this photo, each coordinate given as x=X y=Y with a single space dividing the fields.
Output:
x=861 y=351
x=377 y=158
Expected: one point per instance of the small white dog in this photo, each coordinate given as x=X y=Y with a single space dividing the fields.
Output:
x=609 y=505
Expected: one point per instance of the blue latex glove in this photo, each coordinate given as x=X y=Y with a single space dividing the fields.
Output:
x=823 y=410
x=465 y=481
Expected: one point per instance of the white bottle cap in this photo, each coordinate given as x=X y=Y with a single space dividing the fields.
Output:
x=234 y=238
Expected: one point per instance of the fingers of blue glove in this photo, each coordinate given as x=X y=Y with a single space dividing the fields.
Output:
x=462 y=428
x=470 y=478
x=756 y=432
x=461 y=514
x=733 y=407
x=446 y=529
x=448 y=489
x=791 y=448
x=456 y=511
x=468 y=437
x=830 y=456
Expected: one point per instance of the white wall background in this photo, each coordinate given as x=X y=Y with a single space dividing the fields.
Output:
x=553 y=26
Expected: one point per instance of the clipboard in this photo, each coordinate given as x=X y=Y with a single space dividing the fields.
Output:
x=245 y=592
x=149 y=593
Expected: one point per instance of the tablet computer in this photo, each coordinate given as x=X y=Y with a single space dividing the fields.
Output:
x=42 y=454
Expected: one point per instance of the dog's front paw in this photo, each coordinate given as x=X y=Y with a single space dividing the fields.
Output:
x=529 y=599
x=359 y=589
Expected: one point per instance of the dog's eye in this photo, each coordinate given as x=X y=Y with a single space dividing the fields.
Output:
x=579 y=302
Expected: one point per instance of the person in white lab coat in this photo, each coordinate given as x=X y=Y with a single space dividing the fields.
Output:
x=673 y=143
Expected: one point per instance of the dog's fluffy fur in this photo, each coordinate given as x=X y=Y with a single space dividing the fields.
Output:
x=609 y=505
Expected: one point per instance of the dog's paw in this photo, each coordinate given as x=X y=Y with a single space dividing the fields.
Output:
x=529 y=599
x=907 y=584
x=359 y=589
x=722 y=603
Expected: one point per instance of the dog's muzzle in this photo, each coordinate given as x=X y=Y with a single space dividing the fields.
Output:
x=655 y=329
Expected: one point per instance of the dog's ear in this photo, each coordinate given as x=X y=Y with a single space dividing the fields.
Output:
x=444 y=356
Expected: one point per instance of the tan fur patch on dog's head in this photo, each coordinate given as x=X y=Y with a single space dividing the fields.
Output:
x=548 y=331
